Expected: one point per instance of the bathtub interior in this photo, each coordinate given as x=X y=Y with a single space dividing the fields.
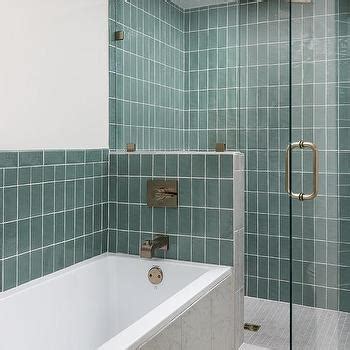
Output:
x=67 y=310
x=132 y=293
x=84 y=306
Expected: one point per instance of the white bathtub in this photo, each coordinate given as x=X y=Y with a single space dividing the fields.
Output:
x=107 y=302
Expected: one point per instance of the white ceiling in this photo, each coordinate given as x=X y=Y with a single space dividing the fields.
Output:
x=187 y=4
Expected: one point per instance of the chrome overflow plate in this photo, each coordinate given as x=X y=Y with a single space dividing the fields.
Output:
x=155 y=275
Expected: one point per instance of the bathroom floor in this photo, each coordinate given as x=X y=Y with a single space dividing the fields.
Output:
x=314 y=329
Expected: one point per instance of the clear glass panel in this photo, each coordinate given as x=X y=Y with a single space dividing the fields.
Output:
x=264 y=136
x=320 y=55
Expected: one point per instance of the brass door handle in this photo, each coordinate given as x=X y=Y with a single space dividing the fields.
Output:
x=315 y=171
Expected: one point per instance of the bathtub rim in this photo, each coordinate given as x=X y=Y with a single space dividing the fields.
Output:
x=154 y=321
x=51 y=276
x=79 y=265
x=136 y=334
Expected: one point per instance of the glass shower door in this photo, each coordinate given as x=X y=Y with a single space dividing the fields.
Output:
x=318 y=174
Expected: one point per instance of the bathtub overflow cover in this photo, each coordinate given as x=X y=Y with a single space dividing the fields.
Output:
x=155 y=275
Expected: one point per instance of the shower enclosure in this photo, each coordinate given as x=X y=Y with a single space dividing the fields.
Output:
x=294 y=130
x=270 y=78
x=320 y=114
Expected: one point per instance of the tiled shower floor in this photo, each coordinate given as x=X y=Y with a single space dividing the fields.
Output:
x=314 y=329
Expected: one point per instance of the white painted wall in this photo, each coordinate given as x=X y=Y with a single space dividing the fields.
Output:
x=53 y=74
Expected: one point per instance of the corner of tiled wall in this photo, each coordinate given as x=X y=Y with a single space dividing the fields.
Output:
x=146 y=75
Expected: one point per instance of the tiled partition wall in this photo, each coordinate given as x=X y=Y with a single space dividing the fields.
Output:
x=215 y=321
x=206 y=226
x=212 y=71
x=146 y=75
x=53 y=211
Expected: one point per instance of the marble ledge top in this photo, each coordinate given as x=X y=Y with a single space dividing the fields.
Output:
x=175 y=152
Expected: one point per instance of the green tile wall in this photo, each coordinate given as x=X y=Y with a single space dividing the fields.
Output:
x=189 y=79
x=53 y=211
x=201 y=229
x=321 y=60
x=211 y=79
x=146 y=75
x=174 y=79
x=264 y=113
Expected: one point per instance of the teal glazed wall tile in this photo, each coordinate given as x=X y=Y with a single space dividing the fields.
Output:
x=94 y=155
x=123 y=164
x=201 y=227
x=198 y=192
x=76 y=156
x=319 y=113
x=212 y=192
x=23 y=236
x=212 y=251
x=9 y=273
x=226 y=253
x=226 y=194
x=23 y=268
x=226 y=166
x=212 y=166
x=184 y=248
x=185 y=165
x=42 y=198
x=36 y=264
x=185 y=221
x=159 y=165
x=37 y=174
x=134 y=164
x=198 y=250
x=10 y=208
x=10 y=239
x=146 y=105
x=171 y=165
x=185 y=191
x=54 y=157
x=212 y=48
x=24 y=176
x=224 y=57
x=10 y=178
x=8 y=159
x=31 y=158
x=156 y=117
x=198 y=165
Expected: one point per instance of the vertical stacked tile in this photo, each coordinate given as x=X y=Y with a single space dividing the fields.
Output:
x=212 y=67
x=202 y=228
x=320 y=74
x=235 y=57
x=174 y=78
x=264 y=106
x=146 y=75
x=53 y=211
x=339 y=28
